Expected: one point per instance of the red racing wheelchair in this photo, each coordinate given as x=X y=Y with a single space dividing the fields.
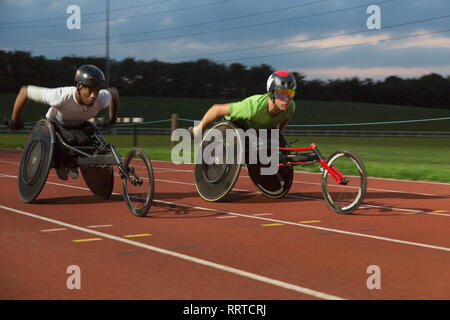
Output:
x=343 y=175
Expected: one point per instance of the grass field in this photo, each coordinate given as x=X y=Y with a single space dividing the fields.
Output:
x=307 y=112
x=402 y=158
x=426 y=159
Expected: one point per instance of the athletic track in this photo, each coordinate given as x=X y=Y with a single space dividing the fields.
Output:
x=249 y=247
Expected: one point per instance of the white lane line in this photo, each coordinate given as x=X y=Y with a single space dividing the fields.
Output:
x=310 y=183
x=101 y=226
x=13 y=162
x=52 y=230
x=302 y=172
x=389 y=179
x=364 y=205
x=417 y=244
x=318 y=184
x=239 y=272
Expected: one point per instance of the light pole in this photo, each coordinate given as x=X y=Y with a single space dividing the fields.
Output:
x=107 y=74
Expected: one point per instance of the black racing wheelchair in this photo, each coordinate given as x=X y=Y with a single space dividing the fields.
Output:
x=343 y=175
x=48 y=146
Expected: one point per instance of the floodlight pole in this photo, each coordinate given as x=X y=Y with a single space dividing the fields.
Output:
x=107 y=74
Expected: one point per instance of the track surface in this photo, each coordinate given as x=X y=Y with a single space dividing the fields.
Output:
x=249 y=247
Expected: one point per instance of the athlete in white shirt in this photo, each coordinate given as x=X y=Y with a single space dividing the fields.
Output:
x=70 y=107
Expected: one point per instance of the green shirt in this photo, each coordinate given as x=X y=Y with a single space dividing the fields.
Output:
x=253 y=112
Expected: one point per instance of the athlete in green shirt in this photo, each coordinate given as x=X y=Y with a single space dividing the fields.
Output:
x=271 y=110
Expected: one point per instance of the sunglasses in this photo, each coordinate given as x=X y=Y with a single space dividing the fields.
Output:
x=285 y=94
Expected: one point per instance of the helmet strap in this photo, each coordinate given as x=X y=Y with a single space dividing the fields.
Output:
x=272 y=96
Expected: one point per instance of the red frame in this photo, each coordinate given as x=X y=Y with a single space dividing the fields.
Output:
x=339 y=177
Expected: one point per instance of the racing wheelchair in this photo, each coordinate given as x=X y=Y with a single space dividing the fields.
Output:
x=48 y=147
x=343 y=175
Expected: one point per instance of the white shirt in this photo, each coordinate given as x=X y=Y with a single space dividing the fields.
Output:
x=64 y=108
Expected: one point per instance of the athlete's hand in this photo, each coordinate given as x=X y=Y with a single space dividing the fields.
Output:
x=13 y=125
x=195 y=131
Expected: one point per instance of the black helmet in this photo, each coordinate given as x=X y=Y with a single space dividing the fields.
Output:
x=281 y=80
x=90 y=76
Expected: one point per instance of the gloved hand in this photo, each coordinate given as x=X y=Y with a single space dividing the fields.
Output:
x=13 y=125
x=191 y=132
x=195 y=131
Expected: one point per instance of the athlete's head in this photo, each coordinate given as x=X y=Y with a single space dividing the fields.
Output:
x=89 y=80
x=281 y=87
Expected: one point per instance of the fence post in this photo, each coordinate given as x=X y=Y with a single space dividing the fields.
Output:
x=173 y=127
x=135 y=135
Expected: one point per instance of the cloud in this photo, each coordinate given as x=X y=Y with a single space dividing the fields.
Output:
x=426 y=41
x=335 y=40
x=372 y=72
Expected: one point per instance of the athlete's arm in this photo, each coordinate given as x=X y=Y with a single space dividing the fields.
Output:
x=20 y=104
x=114 y=104
x=214 y=113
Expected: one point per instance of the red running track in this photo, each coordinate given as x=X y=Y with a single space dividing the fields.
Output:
x=249 y=247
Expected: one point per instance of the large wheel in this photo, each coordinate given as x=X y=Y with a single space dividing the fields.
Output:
x=36 y=161
x=138 y=196
x=218 y=162
x=345 y=197
x=273 y=186
x=100 y=180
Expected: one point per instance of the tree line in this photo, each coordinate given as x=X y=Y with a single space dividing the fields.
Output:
x=206 y=79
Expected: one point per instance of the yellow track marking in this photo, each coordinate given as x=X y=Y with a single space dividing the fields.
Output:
x=87 y=240
x=137 y=235
x=272 y=224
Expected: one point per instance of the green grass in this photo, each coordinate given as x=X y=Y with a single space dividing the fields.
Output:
x=402 y=158
x=424 y=159
x=307 y=112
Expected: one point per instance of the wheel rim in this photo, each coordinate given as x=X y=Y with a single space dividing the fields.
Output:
x=213 y=173
x=32 y=162
x=36 y=161
x=344 y=197
x=216 y=179
x=138 y=197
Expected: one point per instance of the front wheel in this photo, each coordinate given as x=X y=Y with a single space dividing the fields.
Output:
x=344 y=197
x=138 y=193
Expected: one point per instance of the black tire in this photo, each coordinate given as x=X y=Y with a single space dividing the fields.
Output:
x=100 y=180
x=36 y=161
x=145 y=172
x=351 y=195
x=214 y=181
x=273 y=186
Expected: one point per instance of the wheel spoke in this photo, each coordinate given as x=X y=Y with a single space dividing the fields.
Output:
x=345 y=198
x=138 y=196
